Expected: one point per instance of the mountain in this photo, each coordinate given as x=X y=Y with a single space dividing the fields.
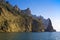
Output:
x=49 y=27
x=47 y=24
x=13 y=19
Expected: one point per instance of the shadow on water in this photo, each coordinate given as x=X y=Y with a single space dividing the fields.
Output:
x=15 y=36
x=30 y=36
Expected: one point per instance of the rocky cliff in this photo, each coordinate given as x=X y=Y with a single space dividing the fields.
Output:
x=49 y=26
x=13 y=19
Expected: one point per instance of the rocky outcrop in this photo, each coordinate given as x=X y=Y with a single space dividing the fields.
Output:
x=27 y=12
x=50 y=27
x=37 y=26
x=13 y=19
x=47 y=24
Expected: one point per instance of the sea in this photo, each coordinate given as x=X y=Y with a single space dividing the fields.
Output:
x=30 y=36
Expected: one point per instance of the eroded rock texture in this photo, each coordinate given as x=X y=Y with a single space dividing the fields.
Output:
x=13 y=19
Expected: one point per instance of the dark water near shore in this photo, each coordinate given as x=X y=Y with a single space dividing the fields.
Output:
x=30 y=36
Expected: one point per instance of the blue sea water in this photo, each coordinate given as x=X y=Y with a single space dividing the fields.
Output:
x=30 y=36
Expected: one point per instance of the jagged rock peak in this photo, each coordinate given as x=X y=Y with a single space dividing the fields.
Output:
x=16 y=7
x=50 y=27
x=49 y=21
x=27 y=11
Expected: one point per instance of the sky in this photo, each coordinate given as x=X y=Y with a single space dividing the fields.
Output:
x=46 y=8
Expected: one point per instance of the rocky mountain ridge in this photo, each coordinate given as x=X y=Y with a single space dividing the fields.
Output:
x=13 y=19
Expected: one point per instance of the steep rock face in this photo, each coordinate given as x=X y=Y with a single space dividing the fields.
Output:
x=12 y=19
x=49 y=28
x=44 y=21
x=47 y=24
x=37 y=26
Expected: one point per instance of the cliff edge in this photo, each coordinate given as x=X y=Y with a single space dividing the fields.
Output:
x=13 y=19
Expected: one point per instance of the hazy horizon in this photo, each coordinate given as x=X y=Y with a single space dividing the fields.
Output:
x=46 y=8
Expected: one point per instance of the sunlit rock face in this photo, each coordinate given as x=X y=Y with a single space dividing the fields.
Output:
x=13 y=19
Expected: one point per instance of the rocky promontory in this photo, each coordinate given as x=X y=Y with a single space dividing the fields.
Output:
x=13 y=19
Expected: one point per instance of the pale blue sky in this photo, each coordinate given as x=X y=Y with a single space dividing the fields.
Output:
x=46 y=8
